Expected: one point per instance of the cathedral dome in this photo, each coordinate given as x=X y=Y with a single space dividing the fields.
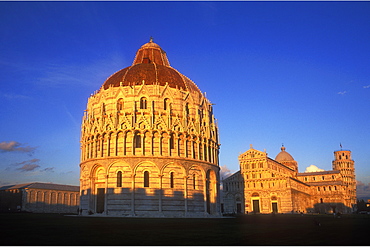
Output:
x=151 y=67
x=283 y=155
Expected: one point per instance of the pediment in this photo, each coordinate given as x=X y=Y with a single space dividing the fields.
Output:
x=253 y=154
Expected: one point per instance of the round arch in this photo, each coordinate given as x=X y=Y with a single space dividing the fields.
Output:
x=176 y=181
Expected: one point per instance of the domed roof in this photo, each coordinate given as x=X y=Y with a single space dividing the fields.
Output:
x=283 y=155
x=151 y=67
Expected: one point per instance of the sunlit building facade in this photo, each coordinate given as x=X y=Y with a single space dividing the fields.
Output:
x=149 y=144
x=266 y=185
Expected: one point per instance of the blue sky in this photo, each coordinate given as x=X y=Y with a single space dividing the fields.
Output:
x=278 y=72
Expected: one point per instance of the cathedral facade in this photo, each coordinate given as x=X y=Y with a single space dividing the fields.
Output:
x=149 y=144
x=266 y=185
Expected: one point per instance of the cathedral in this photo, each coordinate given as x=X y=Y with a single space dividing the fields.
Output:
x=149 y=144
x=266 y=185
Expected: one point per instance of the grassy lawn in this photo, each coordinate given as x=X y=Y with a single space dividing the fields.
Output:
x=55 y=229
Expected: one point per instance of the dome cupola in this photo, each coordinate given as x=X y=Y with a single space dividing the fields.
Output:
x=151 y=67
x=283 y=155
x=286 y=159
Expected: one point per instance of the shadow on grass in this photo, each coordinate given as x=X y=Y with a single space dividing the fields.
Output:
x=55 y=229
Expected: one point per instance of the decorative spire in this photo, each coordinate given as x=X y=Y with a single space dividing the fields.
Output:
x=151 y=39
x=282 y=147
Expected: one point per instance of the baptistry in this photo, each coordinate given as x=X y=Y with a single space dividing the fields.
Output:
x=149 y=144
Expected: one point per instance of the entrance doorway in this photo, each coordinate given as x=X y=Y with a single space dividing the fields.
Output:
x=100 y=198
x=256 y=206
x=274 y=207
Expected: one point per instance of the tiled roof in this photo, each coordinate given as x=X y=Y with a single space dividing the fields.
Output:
x=298 y=181
x=151 y=67
x=45 y=186
x=335 y=182
x=236 y=175
x=318 y=173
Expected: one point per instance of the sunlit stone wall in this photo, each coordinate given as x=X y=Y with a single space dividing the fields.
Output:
x=149 y=150
x=270 y=186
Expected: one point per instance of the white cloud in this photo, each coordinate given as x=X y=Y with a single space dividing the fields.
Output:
x=225 y=172
x=28 y=167
x=368 y=86
x=12 y=96
x=342 y=93
x=363 y=190
x=313 y=168
x=14 y=146
x=48 y=169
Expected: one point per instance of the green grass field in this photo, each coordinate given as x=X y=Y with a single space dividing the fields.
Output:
x=55 y=229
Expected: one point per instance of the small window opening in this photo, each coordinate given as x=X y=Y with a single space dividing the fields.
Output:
x=137 y=141
x=143 y=103
x=120 y=105
x=172 y=184
x=119 y=179
x=146 y=179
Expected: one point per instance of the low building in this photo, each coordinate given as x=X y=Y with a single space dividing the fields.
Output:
x=40 y=198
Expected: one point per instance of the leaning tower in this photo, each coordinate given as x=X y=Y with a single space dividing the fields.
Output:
x=343 y=162
x=149 y=144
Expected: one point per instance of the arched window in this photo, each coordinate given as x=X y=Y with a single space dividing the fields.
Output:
x=119 y=179
x=103 y=109
x=137 y=140
x=166 y=104
x=172 y=142
x=143 y=104
x=120 y=105
x=321 y=200
x=172 y=184
x=187 y=109
x=146 y=179
x=194 y=181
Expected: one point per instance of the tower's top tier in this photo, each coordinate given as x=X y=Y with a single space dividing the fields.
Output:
x=342 y=155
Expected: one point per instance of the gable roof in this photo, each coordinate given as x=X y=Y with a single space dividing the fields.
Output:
x=318 y=173
x=45 y=186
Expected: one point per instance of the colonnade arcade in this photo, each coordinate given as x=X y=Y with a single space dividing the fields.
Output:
x=194 y=187
x=149 y=143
